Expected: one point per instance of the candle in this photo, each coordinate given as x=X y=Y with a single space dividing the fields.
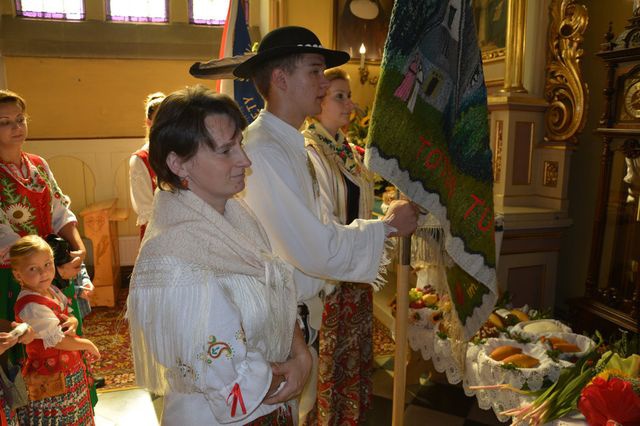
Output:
x=363 y=50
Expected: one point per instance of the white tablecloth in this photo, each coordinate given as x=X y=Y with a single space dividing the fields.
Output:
x=479 y=372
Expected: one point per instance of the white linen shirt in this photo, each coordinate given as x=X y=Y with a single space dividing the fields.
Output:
x=140 y=188
x=42 y=319
x=278 y=190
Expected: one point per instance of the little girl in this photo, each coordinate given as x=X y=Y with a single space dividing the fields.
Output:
x=55 y=371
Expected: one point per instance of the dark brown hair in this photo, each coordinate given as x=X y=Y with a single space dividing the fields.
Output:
x=9 y=97
x=179 y=127
x=262 y=76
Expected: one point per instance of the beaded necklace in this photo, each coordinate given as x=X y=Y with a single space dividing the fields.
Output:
x=19 y=172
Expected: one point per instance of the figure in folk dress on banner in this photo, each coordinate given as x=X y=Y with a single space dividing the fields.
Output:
x=404 y=91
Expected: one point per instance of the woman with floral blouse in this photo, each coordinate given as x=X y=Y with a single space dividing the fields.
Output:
x=30 y=201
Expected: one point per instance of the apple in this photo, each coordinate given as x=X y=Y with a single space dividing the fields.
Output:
x=417 y=304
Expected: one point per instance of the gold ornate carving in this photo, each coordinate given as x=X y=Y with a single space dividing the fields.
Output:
x=493 y=55
x=565 y=89
x=550 y=174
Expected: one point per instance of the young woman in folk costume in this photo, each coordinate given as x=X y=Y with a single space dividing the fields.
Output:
x=30 y=203
x=55 y=371
x=142 y=178
x=346 y=190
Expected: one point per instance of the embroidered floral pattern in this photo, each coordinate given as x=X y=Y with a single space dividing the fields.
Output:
x=55 y=189
x=19 y=213
x=215 y=350
x=340 y=147
x=240 y=336
x=186 y=371
x=32 y=178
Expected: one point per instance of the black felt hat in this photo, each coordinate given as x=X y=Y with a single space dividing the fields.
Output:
x=218 y=69
x=285 y=41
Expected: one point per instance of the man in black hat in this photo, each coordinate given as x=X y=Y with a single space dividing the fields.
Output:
x=282 y=188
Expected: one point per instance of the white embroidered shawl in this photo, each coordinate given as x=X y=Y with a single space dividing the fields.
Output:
x=231 y=251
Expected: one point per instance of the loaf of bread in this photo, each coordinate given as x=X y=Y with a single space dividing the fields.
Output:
x=522 y=361
x=562 y=345
x=501 y=352
x=495 y=320
x=522 y=316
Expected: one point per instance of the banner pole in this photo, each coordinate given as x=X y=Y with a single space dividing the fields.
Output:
x=402 y=312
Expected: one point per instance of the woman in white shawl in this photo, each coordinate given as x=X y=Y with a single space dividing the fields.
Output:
x=212 y=311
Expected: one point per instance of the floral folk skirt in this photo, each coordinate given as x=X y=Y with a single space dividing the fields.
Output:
x=7 y=416
x=280 y=417
x=345 y=356
x=72 y=408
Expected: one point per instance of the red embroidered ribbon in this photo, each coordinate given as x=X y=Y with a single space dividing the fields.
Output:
x=236 y=393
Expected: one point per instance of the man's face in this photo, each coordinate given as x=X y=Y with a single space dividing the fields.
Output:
x=306 y=85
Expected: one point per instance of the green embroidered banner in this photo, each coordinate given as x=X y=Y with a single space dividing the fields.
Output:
x=429 y=136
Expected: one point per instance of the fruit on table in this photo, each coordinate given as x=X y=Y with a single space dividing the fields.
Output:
x=522 y=361
x=415 y=294
x=504 y=351
x=430 y=299
x=419 y=298
x=417 y=304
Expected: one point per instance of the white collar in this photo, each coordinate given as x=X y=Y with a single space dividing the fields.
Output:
x=291 y=136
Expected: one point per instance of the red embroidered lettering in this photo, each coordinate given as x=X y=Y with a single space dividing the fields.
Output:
x=484 y=227
x=481 y=225
x=424 y=143
x=435 y=158
x=473 y=206
x=432 y=165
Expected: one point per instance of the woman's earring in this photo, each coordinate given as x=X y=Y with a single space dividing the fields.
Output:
x=184 y=182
